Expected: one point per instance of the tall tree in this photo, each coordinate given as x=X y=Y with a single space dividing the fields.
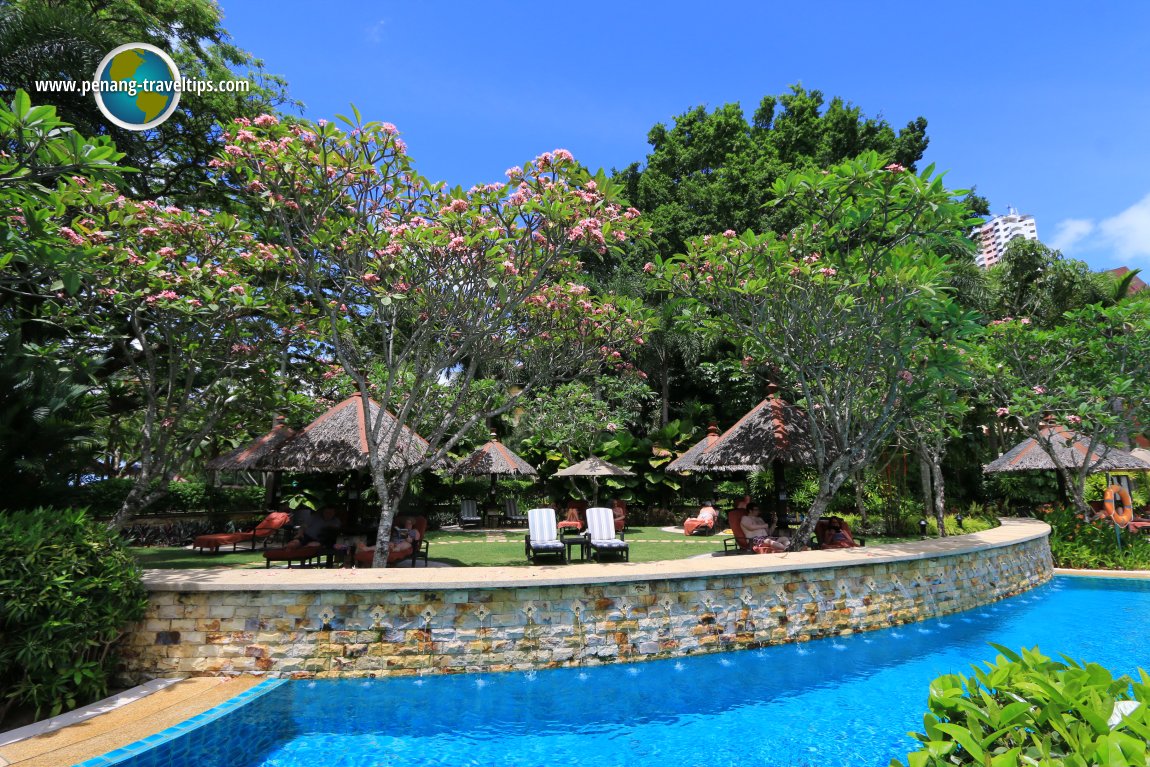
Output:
x=67 y=39
x=847 y=304
x=1087 y=375
x=426 y=292
x=713 y=171
x=1035 y=281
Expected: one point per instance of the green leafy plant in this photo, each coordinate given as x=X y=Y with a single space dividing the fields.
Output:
x=1026 y=709
x=70 y=587
x=1096 y=545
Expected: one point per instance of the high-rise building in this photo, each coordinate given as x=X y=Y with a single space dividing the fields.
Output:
x=998 y=231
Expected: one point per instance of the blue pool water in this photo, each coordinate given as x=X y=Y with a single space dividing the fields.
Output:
x=847 y=701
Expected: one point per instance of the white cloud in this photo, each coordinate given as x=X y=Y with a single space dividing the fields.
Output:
x=1128 y=233
x=1068 y=232
x=374 y=32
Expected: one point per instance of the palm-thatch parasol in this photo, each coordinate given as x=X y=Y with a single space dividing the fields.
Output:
x=1071 y=448
x=774 y=431
x=337 y=441
x=249 y=458
x=594 y=468
x=494 y=459
x=689 y=461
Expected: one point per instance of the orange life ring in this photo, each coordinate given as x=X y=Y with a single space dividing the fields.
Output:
x=1118 y=506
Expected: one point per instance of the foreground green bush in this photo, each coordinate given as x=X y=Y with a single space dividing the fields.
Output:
x=69 y=589
x=1030 y=710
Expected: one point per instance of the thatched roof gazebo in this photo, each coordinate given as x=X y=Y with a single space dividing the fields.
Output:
x=256 y=457
x=774 y=431
x=249 y=457
x=337 y=441
x=1071 y=448
x=689 y=461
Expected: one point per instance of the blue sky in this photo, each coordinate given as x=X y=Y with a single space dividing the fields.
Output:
x=1044 y=106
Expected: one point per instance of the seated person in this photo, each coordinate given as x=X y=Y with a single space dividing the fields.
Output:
x=321 y=527
x=838 y=535
x=574 y=519
x=619 y=512
x=781 y=541
x=404 y=536
x=755 y=528
x=704 y=521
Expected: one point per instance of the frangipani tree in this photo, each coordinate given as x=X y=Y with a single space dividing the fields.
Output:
x=177 y=303
x=1087 y=375
x=848 y=306
x=426 y=292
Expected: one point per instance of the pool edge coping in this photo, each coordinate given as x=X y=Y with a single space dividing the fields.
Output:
x=1011 y=531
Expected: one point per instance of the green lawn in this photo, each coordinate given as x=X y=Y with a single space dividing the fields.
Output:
x=489 y=548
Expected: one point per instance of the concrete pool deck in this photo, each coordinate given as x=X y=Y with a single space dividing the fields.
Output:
x=64 y=741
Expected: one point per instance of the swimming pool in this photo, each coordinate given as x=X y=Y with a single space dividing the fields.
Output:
x=846 y=701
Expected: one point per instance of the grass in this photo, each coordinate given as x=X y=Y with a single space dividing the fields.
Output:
x=492 y=548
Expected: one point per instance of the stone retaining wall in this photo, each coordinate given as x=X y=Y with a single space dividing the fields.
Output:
x=364 y=625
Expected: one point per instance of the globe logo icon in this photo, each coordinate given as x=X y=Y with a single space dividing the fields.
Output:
x=137 y=86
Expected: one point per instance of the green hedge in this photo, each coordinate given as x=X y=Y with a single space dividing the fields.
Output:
x=103 y=498
x=1026 y=709
x=70 y=588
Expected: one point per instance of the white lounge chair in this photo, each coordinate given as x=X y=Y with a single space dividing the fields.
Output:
x=601 y=534
x=469 y=513
x=542 y=535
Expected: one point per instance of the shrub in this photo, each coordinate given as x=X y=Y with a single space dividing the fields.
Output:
x=103 y=498
x=1030 y=710
x=70 y=587
x=1076 y=543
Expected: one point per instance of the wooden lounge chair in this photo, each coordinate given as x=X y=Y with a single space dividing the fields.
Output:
x=574 y=516
x=308 y=555
x=601 y=535
x=543 y=535
x=469 y=513
x=271 y=524
x=739 y=544
x=511 y=513
x=419 y=549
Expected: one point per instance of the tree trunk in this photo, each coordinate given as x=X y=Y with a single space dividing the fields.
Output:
x=924 y=476
x=665 y=393
x=939 y=492
x=860 y=497
x=389 y=499
x=139 y=497
x=828 y=486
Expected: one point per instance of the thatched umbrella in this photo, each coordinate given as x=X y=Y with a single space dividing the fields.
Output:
x=594 y=468
x=337 y=441
x=773 y=433
x=689 y=461
x=249 y=457
x=1071 y=448
x=493 y=458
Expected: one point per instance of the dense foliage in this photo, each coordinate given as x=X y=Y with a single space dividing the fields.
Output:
x=1026 y=709
x=70 y=588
